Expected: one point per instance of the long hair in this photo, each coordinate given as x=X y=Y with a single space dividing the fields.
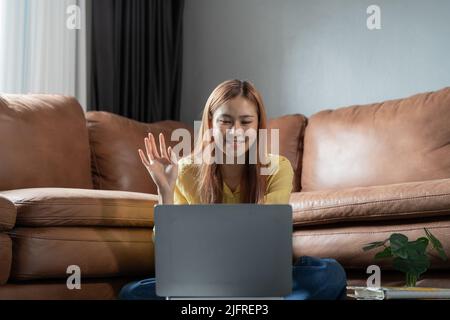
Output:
x=209 y=177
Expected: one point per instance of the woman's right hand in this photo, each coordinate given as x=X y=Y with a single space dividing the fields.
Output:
x=162 y=167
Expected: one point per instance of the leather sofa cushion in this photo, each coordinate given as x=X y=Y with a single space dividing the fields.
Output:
x=45 y=253
x=91 y=289
x=5 y=257
x=45 y=141
x=291 y=130
x=115 y=141
x=37 y=207
x=7 y=214
x=394 y=141
x=395 y=201
x=345 y=243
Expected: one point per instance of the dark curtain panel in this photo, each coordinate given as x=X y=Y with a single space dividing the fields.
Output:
x=136 y=58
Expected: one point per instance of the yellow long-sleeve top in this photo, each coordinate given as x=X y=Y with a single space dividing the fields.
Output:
x=278 y=188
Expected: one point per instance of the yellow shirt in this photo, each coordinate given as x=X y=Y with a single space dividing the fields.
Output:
x=278 y=189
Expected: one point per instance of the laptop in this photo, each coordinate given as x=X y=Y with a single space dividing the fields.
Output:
x=223 y=251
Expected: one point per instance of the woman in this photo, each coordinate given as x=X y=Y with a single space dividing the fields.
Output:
x=230 y=165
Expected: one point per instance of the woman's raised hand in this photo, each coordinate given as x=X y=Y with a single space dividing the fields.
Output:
x=163 y=166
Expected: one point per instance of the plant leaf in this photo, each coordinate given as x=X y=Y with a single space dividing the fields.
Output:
x=420 y=245
x=401 y=265
x=413 y=265
x=399 y=243
x=437 y=245
x=386 y=253
x=374 y=245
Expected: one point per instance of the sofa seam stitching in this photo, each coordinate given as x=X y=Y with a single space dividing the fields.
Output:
x=91 y=145
x=300 y=150
x=74 y=240
x=83 y=218
x=371 y=232
x=391 y=215
x=371 y=202
x=112 y=204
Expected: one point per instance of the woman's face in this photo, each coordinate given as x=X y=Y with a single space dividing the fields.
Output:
x=232 y=123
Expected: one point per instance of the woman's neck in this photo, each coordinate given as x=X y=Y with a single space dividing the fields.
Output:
x=231 y=174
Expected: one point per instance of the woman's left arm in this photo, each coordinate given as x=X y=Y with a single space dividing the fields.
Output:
x=279 y=185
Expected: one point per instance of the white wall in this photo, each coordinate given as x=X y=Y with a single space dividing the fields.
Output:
x=309 y=55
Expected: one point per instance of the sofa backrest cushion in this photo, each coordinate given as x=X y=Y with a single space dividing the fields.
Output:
x=291 y=130
x=115 y=141
x=44 y=142
x=394 y=141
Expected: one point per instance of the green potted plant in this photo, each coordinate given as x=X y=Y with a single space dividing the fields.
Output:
x=409 y=257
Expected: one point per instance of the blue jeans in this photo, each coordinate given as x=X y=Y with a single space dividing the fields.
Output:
x=313 y=279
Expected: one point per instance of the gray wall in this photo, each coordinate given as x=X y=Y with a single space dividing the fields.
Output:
x=309 y=55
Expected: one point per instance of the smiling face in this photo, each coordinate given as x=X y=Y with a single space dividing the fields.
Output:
x=235 y=125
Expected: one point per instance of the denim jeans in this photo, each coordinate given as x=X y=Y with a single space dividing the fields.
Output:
x=313 y=279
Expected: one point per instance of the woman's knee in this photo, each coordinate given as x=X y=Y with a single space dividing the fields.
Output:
x=140 y=290
x=316 y=278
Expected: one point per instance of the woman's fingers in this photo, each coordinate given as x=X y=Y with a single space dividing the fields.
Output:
x=162 y=147
x=148 y=148
x=154 y=148
x=143 y=158
x=152 y=151
x=173 y=156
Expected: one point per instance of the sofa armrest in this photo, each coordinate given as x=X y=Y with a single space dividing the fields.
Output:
x=5 y=257
x=7 y=222
x=395 y=201
x=48 y=207
x=7 y=214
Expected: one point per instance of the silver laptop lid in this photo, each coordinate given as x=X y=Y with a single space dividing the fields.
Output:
x=223 y=250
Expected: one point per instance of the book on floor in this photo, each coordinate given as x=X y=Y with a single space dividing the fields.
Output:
x=389 y=293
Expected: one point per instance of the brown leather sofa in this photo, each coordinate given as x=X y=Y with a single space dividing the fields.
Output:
x=73 y=190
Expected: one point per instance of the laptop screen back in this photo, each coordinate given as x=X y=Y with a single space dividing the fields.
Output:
x=224 y=250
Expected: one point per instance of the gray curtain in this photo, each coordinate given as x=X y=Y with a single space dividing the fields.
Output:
x=136 y=58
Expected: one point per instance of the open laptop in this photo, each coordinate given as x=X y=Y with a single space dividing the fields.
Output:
x=223 y=251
